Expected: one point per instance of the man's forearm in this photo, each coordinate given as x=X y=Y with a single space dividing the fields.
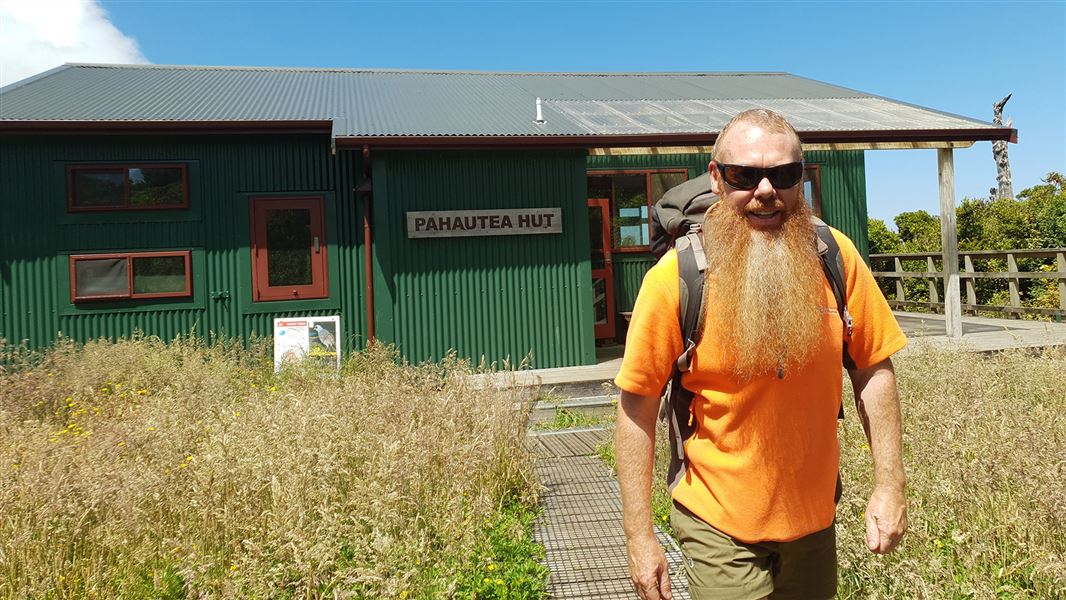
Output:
x=878 y=405
x=634 y=452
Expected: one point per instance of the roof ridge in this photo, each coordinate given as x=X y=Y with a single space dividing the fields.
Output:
x=427 y=71
x=39 y=76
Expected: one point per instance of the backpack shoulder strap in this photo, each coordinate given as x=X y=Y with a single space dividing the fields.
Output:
x=691 y=263
x=833 y=266
x=677 y=407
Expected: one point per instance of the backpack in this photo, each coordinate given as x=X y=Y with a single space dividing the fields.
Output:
x=677 y=222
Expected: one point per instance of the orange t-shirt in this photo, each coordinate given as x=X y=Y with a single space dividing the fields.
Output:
x=763 y=462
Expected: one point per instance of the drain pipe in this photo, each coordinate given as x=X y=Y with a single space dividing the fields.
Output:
x=366 y=190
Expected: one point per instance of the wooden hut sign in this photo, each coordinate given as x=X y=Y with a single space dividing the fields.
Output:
x=464 y=223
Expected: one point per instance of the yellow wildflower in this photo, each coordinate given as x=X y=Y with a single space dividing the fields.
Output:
x=142 y=392
x=492 y=567
x=237 y=414
x=15 y=466
x=151 y=429
x=486 y=580
x=253 y=385
x=499 y=582
x=121 y=444
x=50 y=374
x=233 y=567
x=273 y=388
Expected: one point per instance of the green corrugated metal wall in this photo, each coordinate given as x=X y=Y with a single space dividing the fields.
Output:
x=844 y=193
x=495 y=297
x=224 y=171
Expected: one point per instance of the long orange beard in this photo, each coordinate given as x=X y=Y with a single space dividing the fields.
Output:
x=763 y=302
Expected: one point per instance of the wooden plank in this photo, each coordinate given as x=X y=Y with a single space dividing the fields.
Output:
x=979 y=275
x=1020 y=252
x=949 y=244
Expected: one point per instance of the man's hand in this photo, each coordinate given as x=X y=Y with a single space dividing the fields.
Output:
x=878 y=406
x=886 y=519
x=634 y=453
x=648 y=568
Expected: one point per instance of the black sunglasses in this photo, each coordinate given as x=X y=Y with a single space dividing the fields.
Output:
x=742 y=177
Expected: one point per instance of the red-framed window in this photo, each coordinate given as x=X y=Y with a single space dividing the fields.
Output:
x=100 y=188
x=812 y=188
x=130 y=276
x=289 y=259
x=632 y=194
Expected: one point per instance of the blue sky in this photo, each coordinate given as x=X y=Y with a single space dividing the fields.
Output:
x=957 y=57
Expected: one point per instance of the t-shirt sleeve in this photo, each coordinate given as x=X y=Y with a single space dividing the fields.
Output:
x=876 y=334
x=654 y=339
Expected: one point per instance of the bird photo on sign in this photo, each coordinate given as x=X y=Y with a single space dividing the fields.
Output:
x=322 y=341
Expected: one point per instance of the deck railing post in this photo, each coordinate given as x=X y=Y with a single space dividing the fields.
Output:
x=971 y=291
x=930 y=266
x=1015 y=297
x=901 y=293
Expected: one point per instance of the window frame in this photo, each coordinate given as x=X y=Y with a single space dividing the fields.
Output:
x=816 y=186
x=262 y=291
x=130 y=294
x=125 y=168
x=647 y=195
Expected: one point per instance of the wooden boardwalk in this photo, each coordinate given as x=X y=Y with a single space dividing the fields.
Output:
x=581 y=527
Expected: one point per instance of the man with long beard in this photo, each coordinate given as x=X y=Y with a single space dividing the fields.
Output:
x=754 y=511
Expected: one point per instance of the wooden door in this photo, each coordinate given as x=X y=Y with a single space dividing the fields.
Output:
x=603 y=314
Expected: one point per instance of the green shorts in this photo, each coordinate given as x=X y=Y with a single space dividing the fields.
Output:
x=721 y=567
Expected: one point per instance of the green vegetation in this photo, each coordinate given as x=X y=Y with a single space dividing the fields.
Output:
x=984 y=443
x=141 y=469
x=1035 y=219
x=568 y=418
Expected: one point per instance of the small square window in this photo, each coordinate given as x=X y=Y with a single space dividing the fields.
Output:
x=127 y=187
x=138 y=275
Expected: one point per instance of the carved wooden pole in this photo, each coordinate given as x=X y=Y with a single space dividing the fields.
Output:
x=999 y=153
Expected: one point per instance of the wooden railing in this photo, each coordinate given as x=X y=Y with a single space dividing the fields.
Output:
x=968 y=276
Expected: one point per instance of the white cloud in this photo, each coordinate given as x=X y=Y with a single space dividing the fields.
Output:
x=38 y=35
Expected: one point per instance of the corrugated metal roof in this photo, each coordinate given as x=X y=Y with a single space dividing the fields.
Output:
x=383 y=103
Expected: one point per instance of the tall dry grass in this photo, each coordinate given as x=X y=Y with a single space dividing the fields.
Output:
x=142 y=469
x=985 y=454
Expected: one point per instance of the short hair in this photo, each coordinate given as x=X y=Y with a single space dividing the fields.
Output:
x=760 y=117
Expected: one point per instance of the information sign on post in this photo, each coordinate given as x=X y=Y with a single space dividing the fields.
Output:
x=298 y=339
